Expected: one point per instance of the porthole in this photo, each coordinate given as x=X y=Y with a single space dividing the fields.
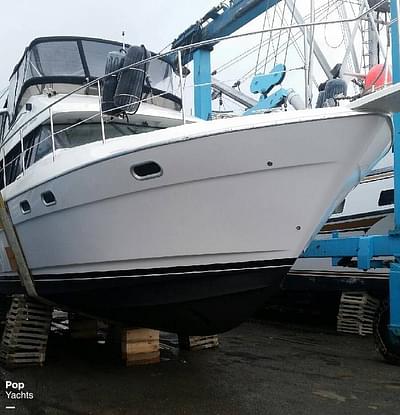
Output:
x=386 y=197
x=25 y=207
x=147 y=170
x=339 y=208
x=48 y=198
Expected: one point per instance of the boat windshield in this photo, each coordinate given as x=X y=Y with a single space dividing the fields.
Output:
x=63 y=61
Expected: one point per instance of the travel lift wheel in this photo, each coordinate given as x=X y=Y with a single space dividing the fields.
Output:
x=385 y=341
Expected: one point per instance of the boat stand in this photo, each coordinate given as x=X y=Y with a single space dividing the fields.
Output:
x=193 y=343
x=140 y=346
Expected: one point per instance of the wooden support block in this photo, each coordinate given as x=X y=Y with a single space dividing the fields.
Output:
x=356 y=313
x=140 y=346
x=198 y=342
x=4 y=307
x=82 y=327
x=25 y=335
x=13 y=358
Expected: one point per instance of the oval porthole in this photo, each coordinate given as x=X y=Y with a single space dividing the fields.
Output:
x=48 y=198
x=147 y=170
x=25 y=207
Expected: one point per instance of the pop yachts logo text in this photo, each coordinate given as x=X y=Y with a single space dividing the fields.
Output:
x=15 y=391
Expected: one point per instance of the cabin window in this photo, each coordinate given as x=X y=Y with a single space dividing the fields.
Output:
x=38 y=143
x=57 y=58
x=339 y=207
x=13 y=164
x=88 y=133
x=3 y=123
x=386 y=197
x=2 y=174
x=96 y=55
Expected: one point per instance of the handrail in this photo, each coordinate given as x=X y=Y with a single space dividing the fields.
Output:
x=199 y=45
x=54 y=133
x=98 y=82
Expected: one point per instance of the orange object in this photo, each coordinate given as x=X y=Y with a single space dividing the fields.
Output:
x=375 y=78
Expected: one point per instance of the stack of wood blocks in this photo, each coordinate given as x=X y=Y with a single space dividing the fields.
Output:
x=356 y=313
x=140 y=346
x=4 y=307
x=198 y=342
x=26 y=332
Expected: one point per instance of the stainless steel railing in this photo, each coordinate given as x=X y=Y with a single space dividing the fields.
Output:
x=178 y=52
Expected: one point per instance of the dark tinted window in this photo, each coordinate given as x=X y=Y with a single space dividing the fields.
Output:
x=96 y=56
x=339 y=207
x=1 y=174
x=386 y=197
x=38 y=143
x=13 y=164
x=3 y=124
x=88 y=133
x=60 y=58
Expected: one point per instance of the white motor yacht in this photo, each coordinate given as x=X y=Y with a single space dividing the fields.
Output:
x=132 y=216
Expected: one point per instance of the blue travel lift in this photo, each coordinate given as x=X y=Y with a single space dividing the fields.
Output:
x=368 y=249
x=223 y=20
x=220 y=21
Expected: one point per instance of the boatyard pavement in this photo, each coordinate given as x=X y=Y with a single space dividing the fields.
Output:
x=259 y=368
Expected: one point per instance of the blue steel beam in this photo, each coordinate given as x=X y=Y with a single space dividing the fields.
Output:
x=369 y=247
x=364 y=248
x=394 y=298
x=221 y=21
x=394 y=279
x=396 y=117
x=202 y=83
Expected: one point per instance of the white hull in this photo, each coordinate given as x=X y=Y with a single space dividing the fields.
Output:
x=217 y=201
x=365 y=212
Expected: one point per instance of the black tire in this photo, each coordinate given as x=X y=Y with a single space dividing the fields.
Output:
x=115 y=60
x=384 y=343
x=130 y=83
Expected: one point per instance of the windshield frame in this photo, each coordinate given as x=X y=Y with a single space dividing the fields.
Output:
x=19 y=82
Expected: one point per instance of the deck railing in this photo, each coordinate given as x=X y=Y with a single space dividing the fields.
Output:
x=181 y=89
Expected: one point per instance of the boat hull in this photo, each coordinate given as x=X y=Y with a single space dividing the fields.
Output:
x=365 y=212
x=194 y=301
x=231 y=192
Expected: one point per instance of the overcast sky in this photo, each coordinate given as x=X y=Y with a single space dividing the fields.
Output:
x=154 y=23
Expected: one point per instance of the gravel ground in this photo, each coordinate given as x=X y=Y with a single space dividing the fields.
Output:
x=260 y=368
